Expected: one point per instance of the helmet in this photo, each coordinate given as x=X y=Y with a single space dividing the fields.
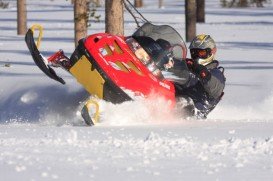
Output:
x=203 y=49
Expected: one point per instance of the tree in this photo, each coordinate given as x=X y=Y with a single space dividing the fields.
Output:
x=138 y=3
x=242 y=3
x=21 y=17
x=160 y=3
x=114 y=20
x=80 y=19
x=97 y=3
x=200 y=11
x=190 y=11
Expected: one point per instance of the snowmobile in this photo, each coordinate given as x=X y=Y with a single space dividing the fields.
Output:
x=118 y=68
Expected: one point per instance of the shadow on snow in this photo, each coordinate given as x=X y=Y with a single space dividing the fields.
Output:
x=34 y=104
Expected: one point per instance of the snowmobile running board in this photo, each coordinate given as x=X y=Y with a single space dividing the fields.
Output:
x=38 y=58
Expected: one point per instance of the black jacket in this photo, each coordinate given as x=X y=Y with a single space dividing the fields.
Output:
x=205 y=94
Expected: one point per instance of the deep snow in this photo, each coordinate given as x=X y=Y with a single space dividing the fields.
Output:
x=43 y=138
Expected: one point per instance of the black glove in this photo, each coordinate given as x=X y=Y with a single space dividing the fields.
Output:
x=202 y=72
x=190 y=64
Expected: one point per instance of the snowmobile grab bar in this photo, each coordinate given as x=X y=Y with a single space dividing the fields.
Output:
x=40 y=28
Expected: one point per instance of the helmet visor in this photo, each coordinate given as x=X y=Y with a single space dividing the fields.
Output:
x=200 y=53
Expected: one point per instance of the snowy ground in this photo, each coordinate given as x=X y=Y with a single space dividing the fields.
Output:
x=42 y=138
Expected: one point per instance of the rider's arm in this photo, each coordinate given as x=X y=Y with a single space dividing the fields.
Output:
x=212 y=79
x=215 y=85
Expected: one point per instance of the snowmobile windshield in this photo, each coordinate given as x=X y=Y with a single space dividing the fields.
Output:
x=165 y=47
x=161 y=38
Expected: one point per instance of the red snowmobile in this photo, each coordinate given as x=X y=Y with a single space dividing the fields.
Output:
x=117 y=68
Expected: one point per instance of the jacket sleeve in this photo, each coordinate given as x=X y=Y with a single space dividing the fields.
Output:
x=215 y=86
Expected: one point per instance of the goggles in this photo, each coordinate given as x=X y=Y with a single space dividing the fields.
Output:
x=200 y=53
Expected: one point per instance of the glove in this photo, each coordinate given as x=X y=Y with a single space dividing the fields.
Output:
x=202 y=72
x=190 y=64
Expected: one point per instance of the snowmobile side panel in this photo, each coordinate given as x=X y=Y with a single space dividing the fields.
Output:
x=38 y=58
x=104 y=87
x=89 y=77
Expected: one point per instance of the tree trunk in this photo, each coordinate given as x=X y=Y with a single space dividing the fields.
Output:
x=21 y=17
x=138 y=3
x=97 y=2
x=114 y=21
x=243 y=3
x=259 y=3
x=190 y=11
x=232 y=3
x=200 y=11
x=80 y=19
x=160 y=3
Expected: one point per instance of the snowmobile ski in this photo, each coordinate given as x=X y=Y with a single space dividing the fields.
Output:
x=85 y=113
x=38 y=58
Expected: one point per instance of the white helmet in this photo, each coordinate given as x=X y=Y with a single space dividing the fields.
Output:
x=203 y=49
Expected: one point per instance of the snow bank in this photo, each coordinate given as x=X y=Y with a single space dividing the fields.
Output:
x=134 y=153
x=54 y=105
x=260 y=111
x=42 y=104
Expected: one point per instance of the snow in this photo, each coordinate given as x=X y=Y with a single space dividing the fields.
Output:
x=42 y=136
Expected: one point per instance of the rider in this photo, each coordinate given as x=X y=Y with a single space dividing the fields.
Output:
x=206 y=81
x=198 y=80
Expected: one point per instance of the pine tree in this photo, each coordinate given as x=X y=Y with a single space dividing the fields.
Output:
x=21 y=17
x=200 y=11
x=114 y=20
x=138 y=3
x=80 y=19
x=160 y=3
x=190 y=11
